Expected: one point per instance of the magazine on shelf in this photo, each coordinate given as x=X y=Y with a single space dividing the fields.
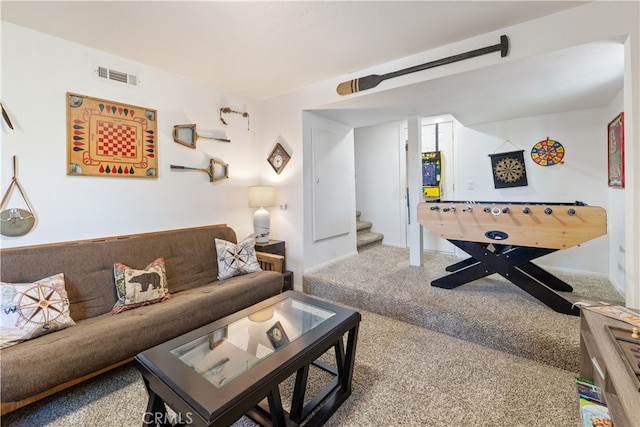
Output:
x=594 y=414
x=589 y=390
x=617 y=312
x=593 y=411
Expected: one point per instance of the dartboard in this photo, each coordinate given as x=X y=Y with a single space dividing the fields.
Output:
x=547 y=152
x=509 y=169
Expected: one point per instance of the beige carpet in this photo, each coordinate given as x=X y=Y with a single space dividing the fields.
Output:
x=491 y=312
x=404 y=376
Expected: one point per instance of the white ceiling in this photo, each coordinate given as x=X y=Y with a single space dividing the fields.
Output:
x=266 y=48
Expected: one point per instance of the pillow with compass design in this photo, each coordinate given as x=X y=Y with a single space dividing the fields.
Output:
x=30 y=310
x=236 y=259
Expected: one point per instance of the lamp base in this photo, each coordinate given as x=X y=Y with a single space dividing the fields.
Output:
x=261 y=225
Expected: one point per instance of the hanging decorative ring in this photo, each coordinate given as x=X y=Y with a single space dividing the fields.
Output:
x=15 y=221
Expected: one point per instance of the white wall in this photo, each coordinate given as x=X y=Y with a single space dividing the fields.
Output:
x=381 y=180
x=38 y=70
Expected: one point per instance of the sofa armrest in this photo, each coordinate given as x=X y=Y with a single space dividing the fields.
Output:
x=270 y=262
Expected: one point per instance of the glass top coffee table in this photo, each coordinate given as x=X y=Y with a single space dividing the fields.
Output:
x=232 y=367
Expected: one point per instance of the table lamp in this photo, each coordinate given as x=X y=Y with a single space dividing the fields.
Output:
x=261 y=197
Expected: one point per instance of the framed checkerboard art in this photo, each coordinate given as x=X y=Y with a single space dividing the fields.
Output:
x=111 y=139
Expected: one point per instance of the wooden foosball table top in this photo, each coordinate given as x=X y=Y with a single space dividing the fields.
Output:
x=545 y=225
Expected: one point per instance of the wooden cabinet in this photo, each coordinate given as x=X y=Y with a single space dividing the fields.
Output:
x=601 y=362
x=277 y=247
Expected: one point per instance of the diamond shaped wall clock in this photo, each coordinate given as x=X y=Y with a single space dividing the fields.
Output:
x=278 y=158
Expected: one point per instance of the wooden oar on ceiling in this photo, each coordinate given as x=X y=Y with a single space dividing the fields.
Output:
x=373 y=80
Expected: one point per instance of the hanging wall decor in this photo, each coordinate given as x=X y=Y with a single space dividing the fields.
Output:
x=227 y=110
x=278 y=158
x=5 y=116
x=615 y=143
x=373 y=80
x=16 y=221
x=547 y=153
x=106 y=138
x=508 y=169
x=217 y=170
x=187 y=135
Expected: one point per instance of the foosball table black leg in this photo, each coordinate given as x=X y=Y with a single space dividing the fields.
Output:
x=509 y=265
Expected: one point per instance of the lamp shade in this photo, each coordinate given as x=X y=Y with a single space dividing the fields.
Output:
x=262 y=196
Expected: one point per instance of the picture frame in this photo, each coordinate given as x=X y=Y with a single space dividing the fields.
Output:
x=277 y=336
x=110 y=139
x=278 y=158
x=615 y=152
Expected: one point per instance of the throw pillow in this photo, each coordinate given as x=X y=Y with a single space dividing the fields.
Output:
x=236 y=259
x=30 y=310
x=136 y=288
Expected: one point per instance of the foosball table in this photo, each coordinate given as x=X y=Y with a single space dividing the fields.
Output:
x=503 y=238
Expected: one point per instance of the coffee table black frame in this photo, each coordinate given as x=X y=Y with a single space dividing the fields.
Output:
x=255 y=393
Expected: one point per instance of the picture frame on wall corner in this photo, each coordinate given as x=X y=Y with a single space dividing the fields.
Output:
x=615 y=151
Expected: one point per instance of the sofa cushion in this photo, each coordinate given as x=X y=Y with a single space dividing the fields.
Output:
x=236 y=259
x=136 y=288
x=30 y=310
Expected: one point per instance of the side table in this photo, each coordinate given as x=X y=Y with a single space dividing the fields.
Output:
x=602 y=363
x=277 y=247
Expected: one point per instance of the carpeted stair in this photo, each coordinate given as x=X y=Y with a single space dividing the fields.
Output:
x=366 y=238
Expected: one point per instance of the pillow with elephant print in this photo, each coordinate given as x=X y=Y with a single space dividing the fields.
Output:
x=136 y=288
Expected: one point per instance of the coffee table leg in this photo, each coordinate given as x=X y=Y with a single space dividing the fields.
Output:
x=339 y=350
x=156 y=413
x=344 y=379
x=275 y=407
x=349 y=359
x=299 y=390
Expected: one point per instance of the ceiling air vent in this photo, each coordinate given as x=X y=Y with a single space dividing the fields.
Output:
x=117 y=76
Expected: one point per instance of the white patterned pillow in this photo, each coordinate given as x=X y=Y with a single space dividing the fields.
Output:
x=30 y=310
x=236 y=259
x=136 y=288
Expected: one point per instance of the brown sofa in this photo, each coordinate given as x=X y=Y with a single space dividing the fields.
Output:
x=100 y=341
